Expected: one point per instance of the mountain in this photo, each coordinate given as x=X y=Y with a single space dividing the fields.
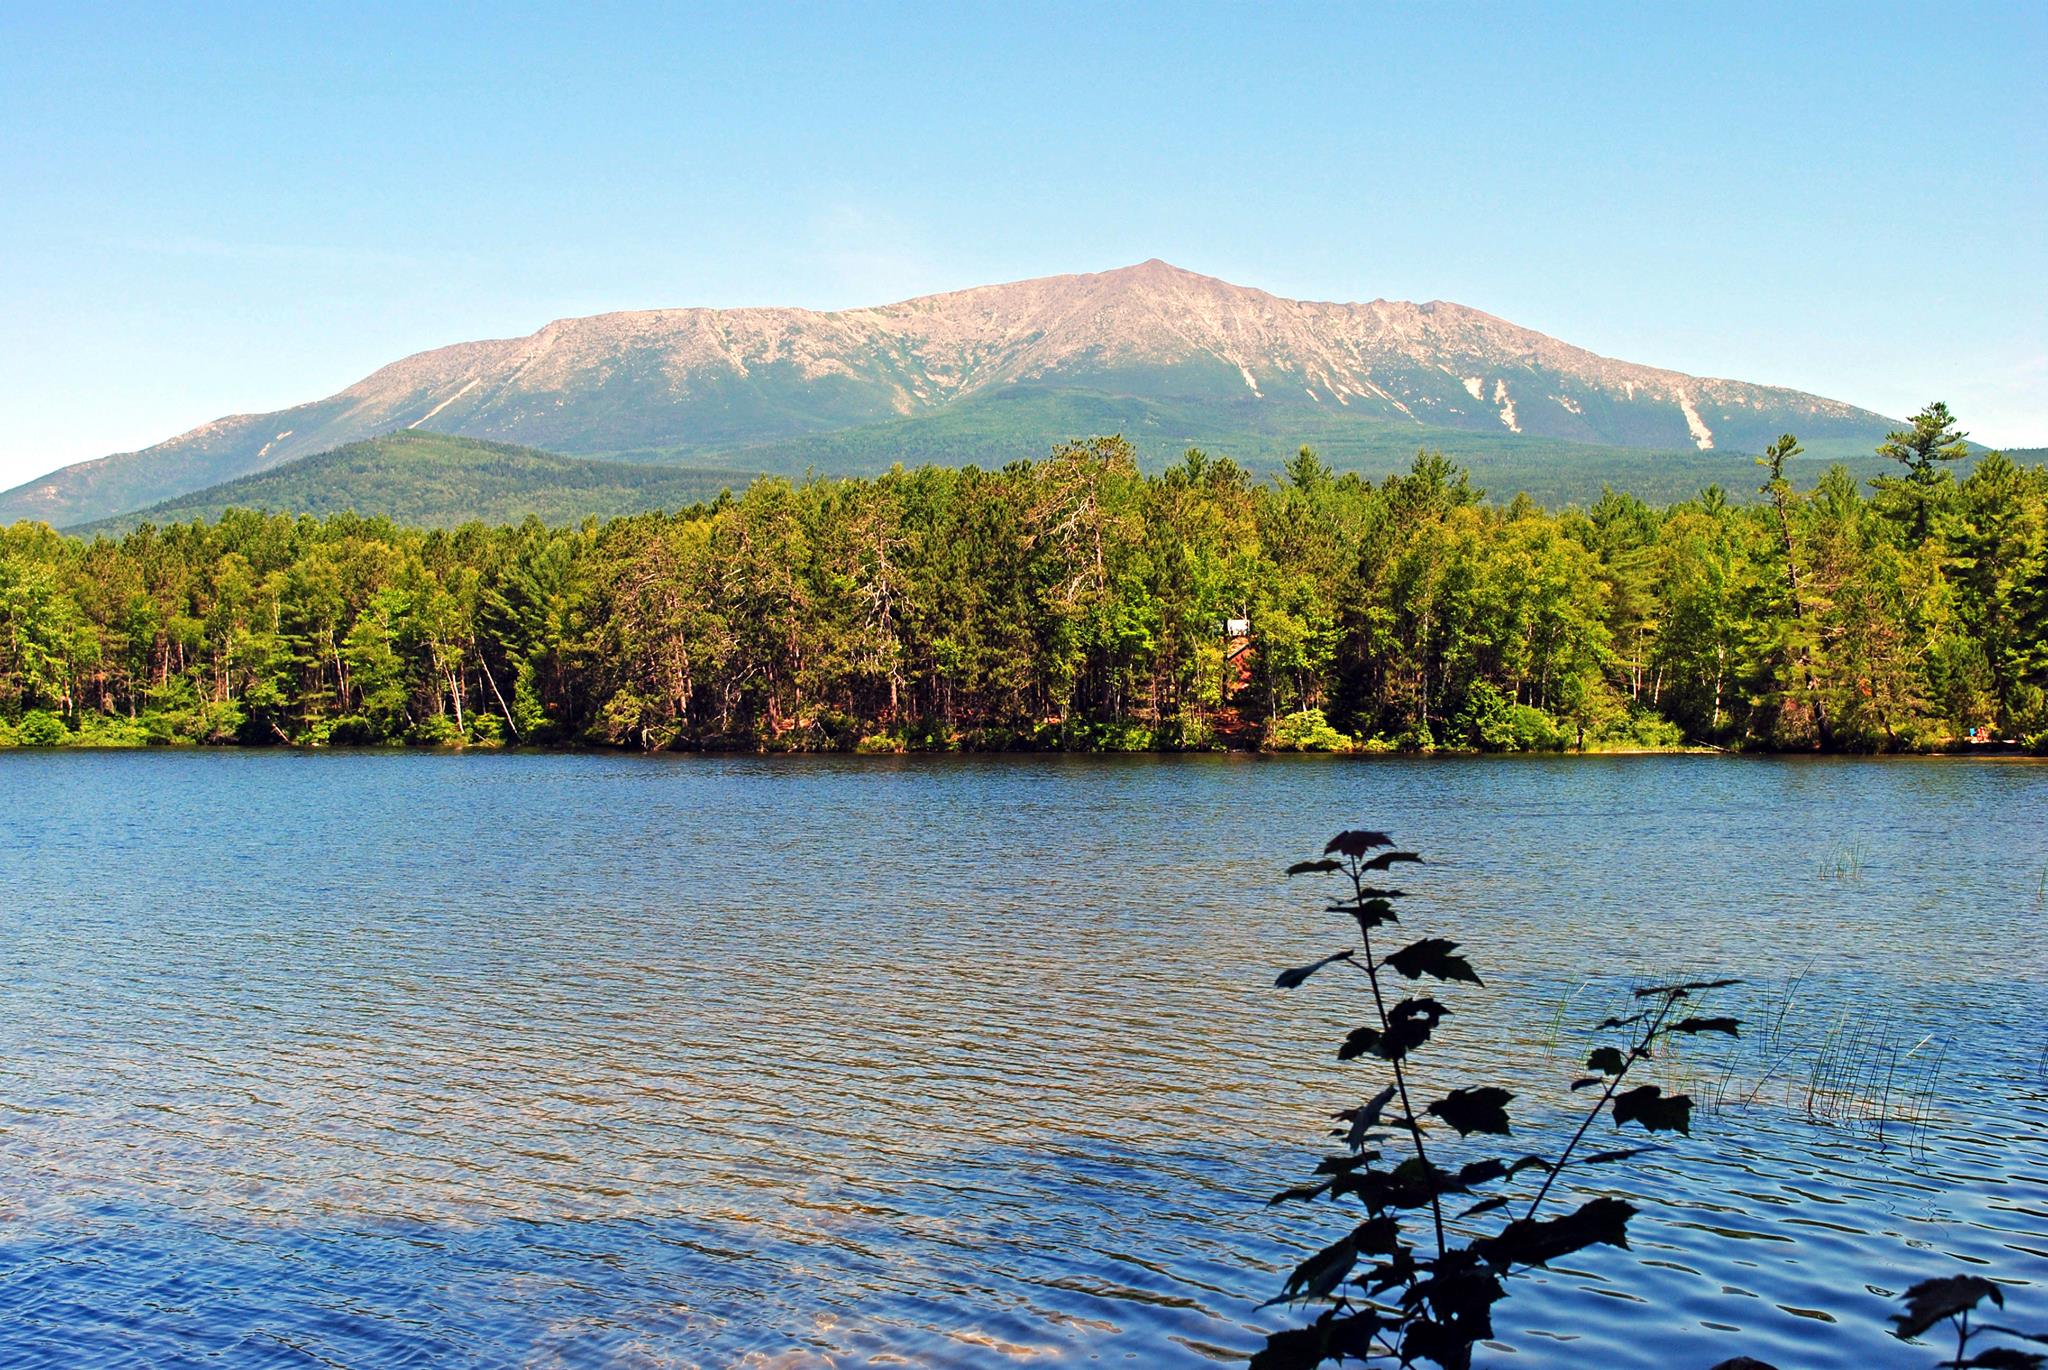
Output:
x=707 y=386
x=435 y=480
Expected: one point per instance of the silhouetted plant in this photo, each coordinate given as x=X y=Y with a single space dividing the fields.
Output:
x=1951 y=1299
x=1400 y=1287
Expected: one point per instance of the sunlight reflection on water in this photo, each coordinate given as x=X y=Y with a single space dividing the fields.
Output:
x=395 y=1060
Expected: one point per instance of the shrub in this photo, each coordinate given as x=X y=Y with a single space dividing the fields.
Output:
x=354 y=730
x=929 y=735
x=1494 y=723
x=41 y=728
x=996 y=739
x=1637 y=729
x=103 y=730
x=1399 y=1284
x=1951 y=1299
x=1417 y=738
x=1307 y=731
x=434 y=730
x=1081 y=735
x=1188 y=731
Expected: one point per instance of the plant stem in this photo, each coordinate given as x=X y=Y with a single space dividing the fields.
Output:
x=1372 y=973
x=1635 y=1053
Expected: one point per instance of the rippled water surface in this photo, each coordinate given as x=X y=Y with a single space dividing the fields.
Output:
x=407 y=1060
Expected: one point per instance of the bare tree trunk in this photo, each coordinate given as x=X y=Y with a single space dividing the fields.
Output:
x=502 y=706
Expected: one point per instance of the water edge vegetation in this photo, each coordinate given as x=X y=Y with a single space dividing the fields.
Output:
x=1073 y=603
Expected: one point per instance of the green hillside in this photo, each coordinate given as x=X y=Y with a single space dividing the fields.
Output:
x=993 y=430
x=434 y=480
x=422 y=478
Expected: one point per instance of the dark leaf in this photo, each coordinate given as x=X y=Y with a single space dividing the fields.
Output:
x=1314 y=867
x=1432 y=956
x=1409 y=1024
x=1357 y=842
x=1493 y=1168
x=1647 y=1104
x=1350 y=1160
x=1300 y=1191
x=1358 y=1042
x=2004 y=1358
x=1369 y=892
x=1410 y=1184
x=1929 y=1301
x=1333 y=1336
x=1457 y=1302
x=1474 y=1110
x=1365 y=1117
x=1695 y=1025
x=1679 y=991
x=1448 y=1340
x=1482 y=1172
x=1397 y=1269
x=1372 y=913
x=1378 y=1236
x=1322 y=1272
x=1386 y=859
x=1288 y=979
x=1296 y=1348
x=1606 y=1061
x=1537 y=1242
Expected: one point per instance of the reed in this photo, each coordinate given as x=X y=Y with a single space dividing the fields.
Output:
x=1843 y=862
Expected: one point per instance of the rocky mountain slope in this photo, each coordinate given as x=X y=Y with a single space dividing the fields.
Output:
x=695 y=385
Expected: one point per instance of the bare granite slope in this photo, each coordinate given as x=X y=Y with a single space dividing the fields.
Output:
x=710 y=380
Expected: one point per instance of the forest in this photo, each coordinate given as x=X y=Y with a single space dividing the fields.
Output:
x=1074 y=602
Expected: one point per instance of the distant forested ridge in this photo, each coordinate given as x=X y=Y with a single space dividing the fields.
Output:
x=1071 y=602
x=437 y=481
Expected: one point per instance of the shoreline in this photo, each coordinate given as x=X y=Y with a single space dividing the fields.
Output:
x=1999 y=752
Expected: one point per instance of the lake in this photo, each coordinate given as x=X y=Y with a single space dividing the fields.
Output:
x=565 y=1060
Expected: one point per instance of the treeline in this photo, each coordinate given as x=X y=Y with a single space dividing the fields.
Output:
x=1070 y=602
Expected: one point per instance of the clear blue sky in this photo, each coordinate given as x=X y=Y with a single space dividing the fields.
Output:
x=210 y=209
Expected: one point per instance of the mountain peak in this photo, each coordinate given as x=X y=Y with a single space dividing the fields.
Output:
x=1155 y=268
x=1210 y=356
x=1155 y=272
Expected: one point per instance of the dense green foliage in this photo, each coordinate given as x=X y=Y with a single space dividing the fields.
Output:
x=1071 y=602
x=438 y=481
